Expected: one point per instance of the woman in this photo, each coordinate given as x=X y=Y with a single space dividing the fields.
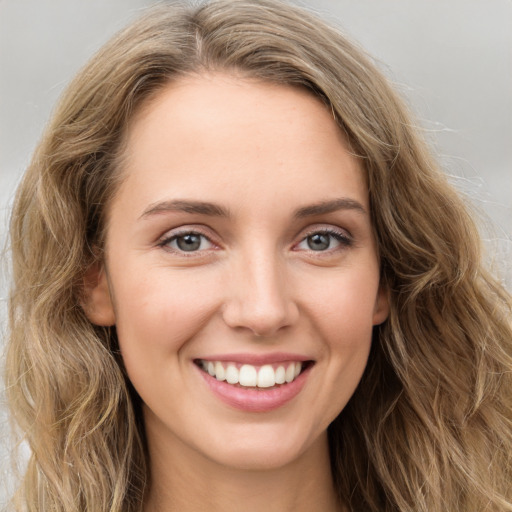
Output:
x=239 y=278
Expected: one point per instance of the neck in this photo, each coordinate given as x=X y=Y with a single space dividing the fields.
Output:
x=184 y=480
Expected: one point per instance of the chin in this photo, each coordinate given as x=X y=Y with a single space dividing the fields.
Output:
x=259 y=451
x=251 y=458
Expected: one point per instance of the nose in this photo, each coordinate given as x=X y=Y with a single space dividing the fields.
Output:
x=259 y=297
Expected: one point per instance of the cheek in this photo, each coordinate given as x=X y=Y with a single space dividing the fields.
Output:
x=344 y=306
x=157 y=315
x=341 y=307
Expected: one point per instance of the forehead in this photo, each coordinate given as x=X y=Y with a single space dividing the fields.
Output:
x=216 y=134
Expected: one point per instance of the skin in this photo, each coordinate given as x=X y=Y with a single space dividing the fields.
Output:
x=261 y=153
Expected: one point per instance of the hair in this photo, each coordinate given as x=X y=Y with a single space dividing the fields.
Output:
x=429 y=427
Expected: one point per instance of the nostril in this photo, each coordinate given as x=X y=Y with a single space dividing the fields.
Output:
x=263 y=319
x=258 y=298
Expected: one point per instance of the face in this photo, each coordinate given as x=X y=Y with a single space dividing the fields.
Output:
x=241 y=271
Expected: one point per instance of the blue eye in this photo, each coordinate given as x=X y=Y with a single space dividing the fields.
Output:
x=320 y=241
x=187 y=242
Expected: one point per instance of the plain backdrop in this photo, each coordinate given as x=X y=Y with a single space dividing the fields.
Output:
x=450 y=59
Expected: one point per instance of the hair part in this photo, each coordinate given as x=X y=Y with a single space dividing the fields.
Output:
x=429 y=427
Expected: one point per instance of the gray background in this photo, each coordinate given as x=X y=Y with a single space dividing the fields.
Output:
x=451 y=59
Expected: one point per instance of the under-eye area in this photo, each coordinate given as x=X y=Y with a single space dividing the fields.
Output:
x=254 y=376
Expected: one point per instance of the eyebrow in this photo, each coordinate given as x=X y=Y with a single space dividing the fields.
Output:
x=186 y=206
x=333 y=205
x=215 y=210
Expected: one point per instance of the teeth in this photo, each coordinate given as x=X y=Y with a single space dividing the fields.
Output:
x=289 y=375
x=280 y=375
x=220 y=373
x=232 y=374
x=266 y=377
x=247 y=375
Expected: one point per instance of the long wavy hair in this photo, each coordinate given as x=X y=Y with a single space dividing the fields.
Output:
x=430 y=426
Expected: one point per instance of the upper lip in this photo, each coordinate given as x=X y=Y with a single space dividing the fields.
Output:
x=257 y=359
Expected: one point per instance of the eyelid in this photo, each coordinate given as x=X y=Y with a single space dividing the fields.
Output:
x=344 y=238
x=174 y=233
x=325 y=228
x=342 y=235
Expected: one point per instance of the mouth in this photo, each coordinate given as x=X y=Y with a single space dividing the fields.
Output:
x=258 y=377
x=255 y=382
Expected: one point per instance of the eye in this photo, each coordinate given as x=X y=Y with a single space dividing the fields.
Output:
x=323 y=240
x=189 y=241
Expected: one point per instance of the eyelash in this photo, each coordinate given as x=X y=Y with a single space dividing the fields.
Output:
x=342 y=238
x=164 y=243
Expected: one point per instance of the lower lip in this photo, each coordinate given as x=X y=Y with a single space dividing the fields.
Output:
x=255 y=400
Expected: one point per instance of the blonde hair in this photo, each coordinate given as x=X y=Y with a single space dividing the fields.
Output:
x=429 y=427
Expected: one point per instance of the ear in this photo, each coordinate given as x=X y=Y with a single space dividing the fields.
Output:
x=96 y=298
x=381 y=310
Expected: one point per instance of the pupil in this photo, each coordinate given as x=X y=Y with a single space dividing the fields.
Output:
x=189 y=242
x=318 y=242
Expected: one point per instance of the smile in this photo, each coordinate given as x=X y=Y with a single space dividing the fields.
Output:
x=259 y=387
x=248 y=375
